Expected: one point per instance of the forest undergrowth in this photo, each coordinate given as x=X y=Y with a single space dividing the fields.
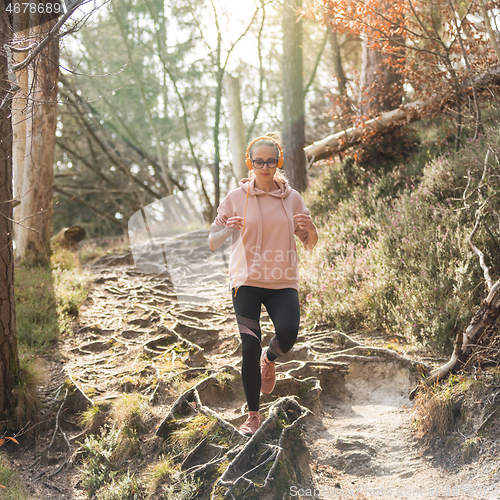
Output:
x=394 y=259
x=393 y=255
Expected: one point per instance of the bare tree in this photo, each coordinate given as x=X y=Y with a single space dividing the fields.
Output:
x=236 y=126
x=9 y=363
x=293 y=126
x=19 y=103
x=33 y=235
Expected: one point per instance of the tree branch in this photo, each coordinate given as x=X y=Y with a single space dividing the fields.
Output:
x=41 y=45
x=484 y=267
x=85 y=204
x=316 y=64
x=261 y=75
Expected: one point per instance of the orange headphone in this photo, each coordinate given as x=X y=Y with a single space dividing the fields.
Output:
x=248 y=160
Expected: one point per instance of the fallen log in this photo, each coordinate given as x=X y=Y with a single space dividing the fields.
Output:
x=488 y=313
x=406 y=113
x=341 y=140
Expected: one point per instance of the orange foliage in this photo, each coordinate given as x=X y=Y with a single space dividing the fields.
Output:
x=439 y=47
x=2 y=440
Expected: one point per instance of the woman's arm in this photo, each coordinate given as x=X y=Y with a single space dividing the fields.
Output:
x=219 y=234
x=306 y=230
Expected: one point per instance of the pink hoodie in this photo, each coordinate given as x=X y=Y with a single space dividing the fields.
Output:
x=266 y=255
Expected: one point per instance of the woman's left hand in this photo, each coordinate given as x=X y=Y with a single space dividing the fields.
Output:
x=304 y=222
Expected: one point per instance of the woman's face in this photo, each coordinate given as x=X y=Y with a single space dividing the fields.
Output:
x=264 y=153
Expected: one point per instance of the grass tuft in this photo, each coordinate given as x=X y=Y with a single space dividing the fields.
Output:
x=26 y=396
x=64 y=259
x=125 y=487
x=14 y=488
x=130 y=411
x=160 y=473
x=434 y=413
x=93 y=418
x=194 y=430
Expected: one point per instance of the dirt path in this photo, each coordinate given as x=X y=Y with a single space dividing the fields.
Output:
x=360 y=440
x=364 y=447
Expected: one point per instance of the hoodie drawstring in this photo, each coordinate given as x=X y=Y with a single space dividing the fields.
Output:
x=291 y=226
x=259 y=241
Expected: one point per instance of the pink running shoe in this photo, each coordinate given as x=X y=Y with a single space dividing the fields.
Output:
x=251 y=424
x=267 y=373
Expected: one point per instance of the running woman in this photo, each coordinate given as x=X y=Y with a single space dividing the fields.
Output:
x=263 y=216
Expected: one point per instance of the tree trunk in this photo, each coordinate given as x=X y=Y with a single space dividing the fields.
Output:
x=9 y=363
x=381 y=82
x=338 y=68
x=19 y=106
x=218 y=99
x=491 y=34
x=36 y=206
x=293 y=98
x=237 y=140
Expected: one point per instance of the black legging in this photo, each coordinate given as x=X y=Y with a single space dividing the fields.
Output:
x=283 y=308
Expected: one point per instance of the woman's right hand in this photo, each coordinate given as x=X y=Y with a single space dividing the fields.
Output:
x=235 y=223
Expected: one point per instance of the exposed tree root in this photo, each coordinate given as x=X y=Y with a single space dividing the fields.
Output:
x=155 y=339
x=210 y=413
x=76 y=400
x=235 y=480
x=367 y=353
x=58 y=427
x=53 y=445
x=330 y=374
x=307 y=390
x=327 y=337
x=190 y=402
x=245 y=458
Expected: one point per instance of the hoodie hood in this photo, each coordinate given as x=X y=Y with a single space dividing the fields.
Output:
x=249 y=185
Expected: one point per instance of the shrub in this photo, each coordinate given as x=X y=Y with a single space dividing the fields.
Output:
x=393 y=255
x=123 y=488
x=100 y=458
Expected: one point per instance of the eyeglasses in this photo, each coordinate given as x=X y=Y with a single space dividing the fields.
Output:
x=270 y=162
